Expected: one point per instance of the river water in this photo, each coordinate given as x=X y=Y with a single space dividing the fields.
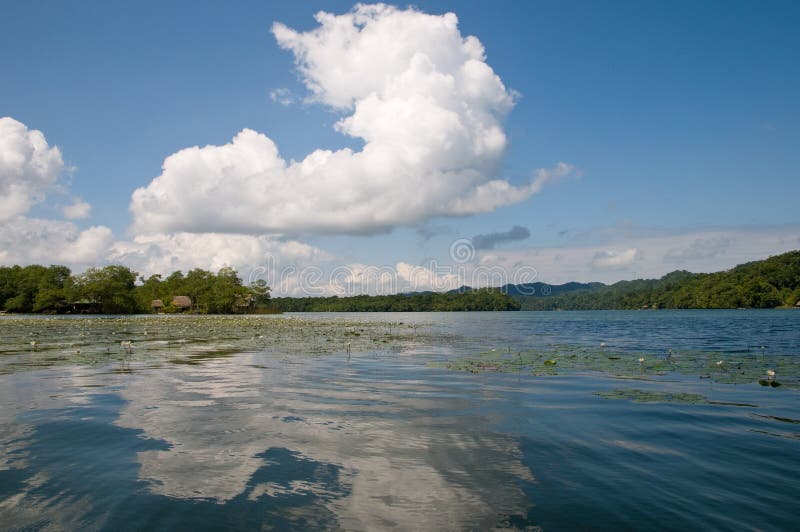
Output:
x=356 y=422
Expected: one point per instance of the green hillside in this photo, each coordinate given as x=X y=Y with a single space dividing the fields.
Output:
x=769 y=283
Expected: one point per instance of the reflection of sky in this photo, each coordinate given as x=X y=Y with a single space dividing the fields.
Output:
x=88 y=438
x=404 y=458
x=227 y=440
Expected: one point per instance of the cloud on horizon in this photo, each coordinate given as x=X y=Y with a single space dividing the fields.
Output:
x=647 y=256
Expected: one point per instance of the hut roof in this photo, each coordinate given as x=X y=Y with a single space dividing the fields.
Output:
x=182 y=301
x=157 y=303
x=797 y=304
x=243 y=300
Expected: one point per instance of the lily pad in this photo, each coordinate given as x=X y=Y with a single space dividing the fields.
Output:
x=643 y=396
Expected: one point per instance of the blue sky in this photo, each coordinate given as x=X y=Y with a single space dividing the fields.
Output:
x=680 y=118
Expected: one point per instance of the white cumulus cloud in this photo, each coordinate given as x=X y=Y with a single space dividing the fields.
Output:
x=165 y=253
x=29 y=167
x=427 y=106
x=76 y=210
x=39 y=241
x=616 y=259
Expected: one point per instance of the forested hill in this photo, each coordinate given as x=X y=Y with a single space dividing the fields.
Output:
x=769 y=283
x=482 y=299
x=538 y=289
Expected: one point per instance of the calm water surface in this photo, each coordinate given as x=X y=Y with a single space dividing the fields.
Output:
x=259 y=437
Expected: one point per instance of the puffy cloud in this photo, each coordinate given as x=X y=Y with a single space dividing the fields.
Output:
x=490 y=240
x=38 y=241
x=615 y=259
x=356 y=278
x=29 y=167
x=165 y=253
x=76 y=210
x=427 y=106
x=497 y=193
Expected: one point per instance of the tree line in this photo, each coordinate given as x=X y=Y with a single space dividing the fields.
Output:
x=114 y=290
x=769 y=283
x=482 y=299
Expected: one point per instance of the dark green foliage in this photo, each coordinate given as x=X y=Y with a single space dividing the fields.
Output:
x=483 y=299
x=222 y=293
x=769 y=283
x=113 y=290
x=33 y=288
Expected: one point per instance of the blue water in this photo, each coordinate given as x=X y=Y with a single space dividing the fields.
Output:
x=383 y=440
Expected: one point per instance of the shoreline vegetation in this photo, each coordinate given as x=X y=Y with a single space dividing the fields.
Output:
x=115 y=289
x=770 y=283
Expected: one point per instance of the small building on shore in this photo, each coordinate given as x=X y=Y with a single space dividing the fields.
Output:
x=181 y=303
x=157 y=306
x=244 y=303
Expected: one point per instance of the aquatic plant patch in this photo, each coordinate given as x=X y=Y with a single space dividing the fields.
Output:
x=767 y=370
x=643 y=396
x=36 y=342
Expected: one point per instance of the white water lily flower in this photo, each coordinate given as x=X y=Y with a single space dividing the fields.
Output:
x=770 y=374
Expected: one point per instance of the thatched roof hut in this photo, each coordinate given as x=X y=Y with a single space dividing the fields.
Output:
x=797 y=304
x=181 y=302
x=157 y=304
x=243 y=301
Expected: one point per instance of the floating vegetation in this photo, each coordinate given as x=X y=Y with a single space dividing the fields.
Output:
x=37 y=342
x=739 y=368
x=643 y=396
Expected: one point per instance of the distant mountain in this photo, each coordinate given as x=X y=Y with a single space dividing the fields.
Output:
x=545 y=290
x=537 y=289
x=769 y=283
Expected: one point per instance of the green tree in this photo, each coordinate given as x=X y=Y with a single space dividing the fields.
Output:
x=111 y=287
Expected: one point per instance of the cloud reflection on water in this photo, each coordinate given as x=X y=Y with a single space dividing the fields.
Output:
x=406 y=459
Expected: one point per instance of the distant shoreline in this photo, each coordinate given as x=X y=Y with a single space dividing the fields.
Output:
x=549 y=311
